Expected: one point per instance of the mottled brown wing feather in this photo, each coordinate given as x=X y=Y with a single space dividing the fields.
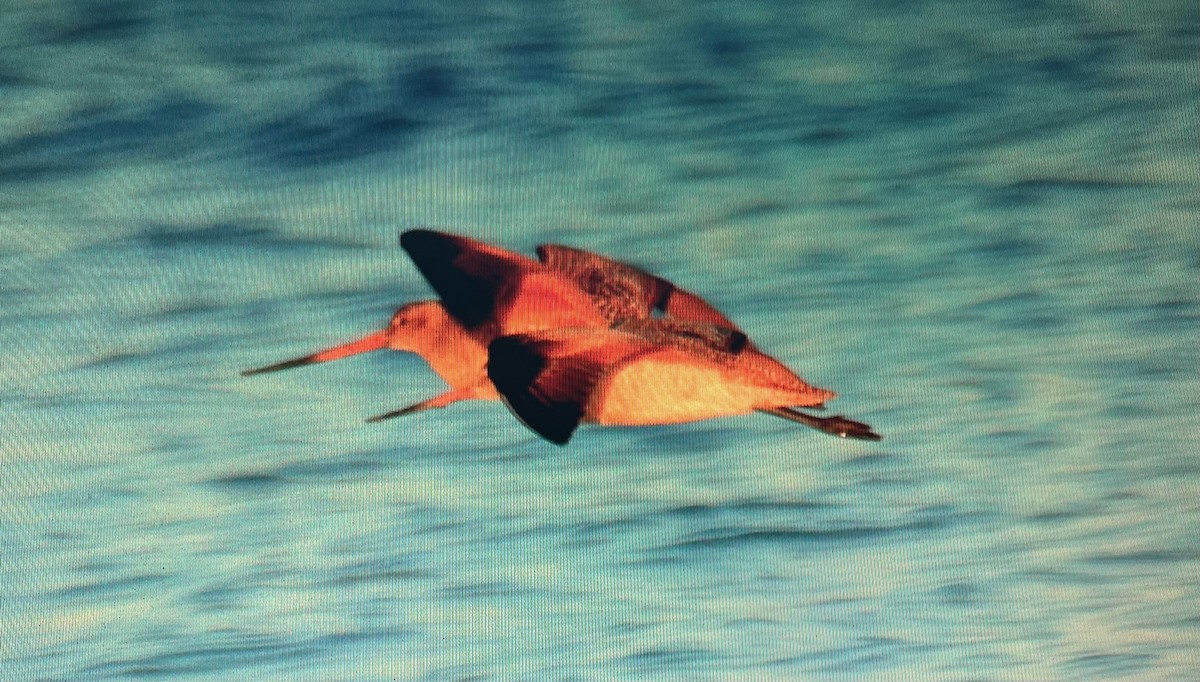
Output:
x=708 y=340
x=619 y=291
x=628 y=291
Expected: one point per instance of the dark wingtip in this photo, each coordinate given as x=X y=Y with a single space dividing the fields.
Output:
x=418 y=238
x=446 y=262
x=428 y=248
x=286 y=364
x=513 y=367
x=512 y=364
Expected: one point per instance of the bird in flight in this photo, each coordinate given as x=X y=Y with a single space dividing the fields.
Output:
x=575 y=337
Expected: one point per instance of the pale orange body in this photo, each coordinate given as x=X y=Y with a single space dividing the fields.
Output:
x=669 y=385
x=643 y=372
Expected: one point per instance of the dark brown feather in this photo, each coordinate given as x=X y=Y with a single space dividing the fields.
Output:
x=470 y=277
x=547 y=392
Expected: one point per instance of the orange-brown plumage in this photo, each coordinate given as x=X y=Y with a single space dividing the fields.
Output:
x=574 y=337
x=485 y=287
x=454 y=353
x=646 y=372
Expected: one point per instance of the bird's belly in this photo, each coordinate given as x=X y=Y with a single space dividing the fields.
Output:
x=653 y=391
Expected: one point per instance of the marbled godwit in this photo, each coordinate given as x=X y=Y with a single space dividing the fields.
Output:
x=643 y=372
x=492 y=290
x=579 y=311
x=695 y=363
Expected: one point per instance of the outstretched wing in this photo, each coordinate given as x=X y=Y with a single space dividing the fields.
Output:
x=548 y=378
x=471 y=277
x=493 y=292
x=627 y=292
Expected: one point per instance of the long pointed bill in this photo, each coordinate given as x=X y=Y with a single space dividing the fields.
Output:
x=366 y=344
x=836 y=425
x=397 y=413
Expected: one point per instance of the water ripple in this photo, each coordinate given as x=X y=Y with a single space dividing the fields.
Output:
x=736 y=537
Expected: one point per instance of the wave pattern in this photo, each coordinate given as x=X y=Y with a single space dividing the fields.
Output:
x=981 y=233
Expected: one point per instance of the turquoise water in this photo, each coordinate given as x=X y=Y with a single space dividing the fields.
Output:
x=979 y=225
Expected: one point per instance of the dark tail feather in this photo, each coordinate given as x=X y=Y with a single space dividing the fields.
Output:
x=836 y=425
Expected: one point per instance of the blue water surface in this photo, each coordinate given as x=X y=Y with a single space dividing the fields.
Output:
x=978 y=223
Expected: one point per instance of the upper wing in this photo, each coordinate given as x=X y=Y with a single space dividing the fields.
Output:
x=710 y=340
x=492 y=291
x=471 y=277
x=485 y=286
x=626 y=292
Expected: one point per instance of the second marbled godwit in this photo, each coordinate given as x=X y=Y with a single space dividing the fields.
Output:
x=644 y=372
x=694 y=363
x=500 y=292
